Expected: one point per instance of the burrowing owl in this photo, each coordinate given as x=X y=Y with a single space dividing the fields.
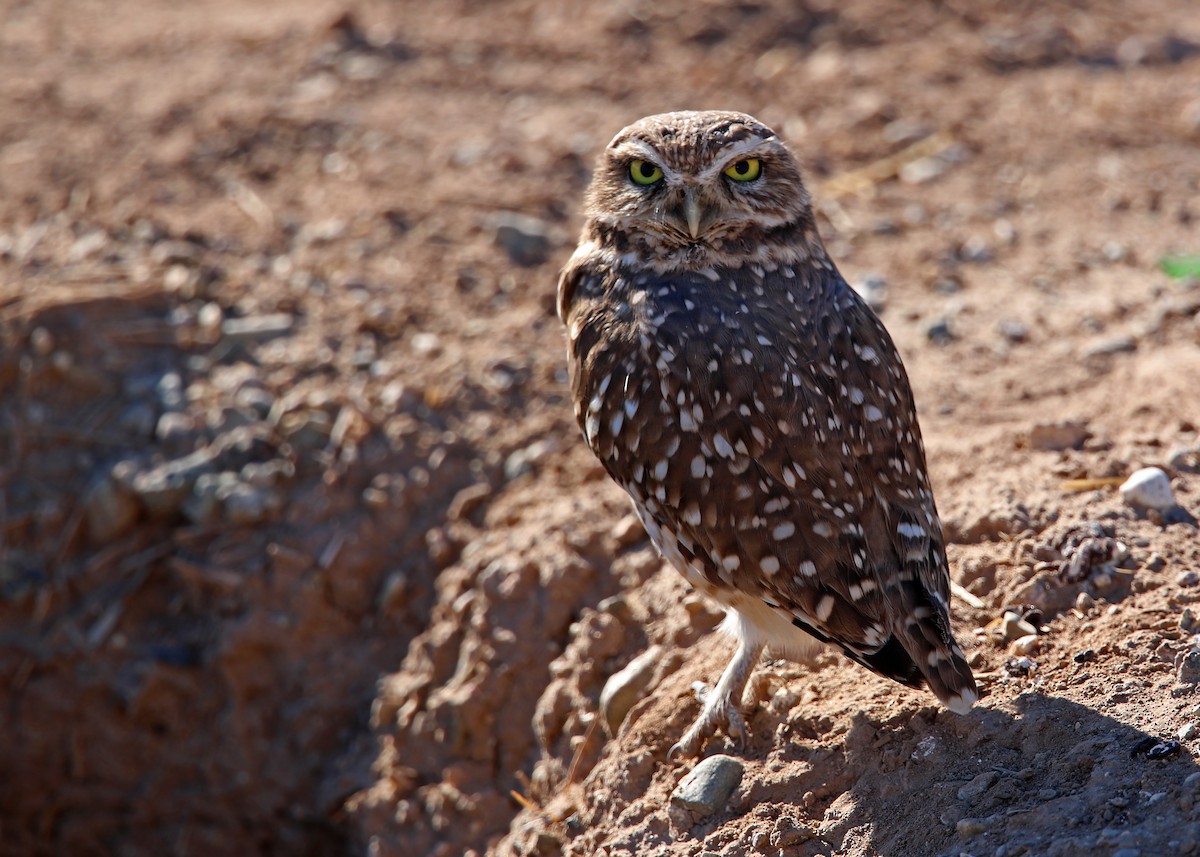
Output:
x=755 y=409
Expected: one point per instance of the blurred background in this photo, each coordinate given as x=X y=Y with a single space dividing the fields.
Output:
x=300 y=551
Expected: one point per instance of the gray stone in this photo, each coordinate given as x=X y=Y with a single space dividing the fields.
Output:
x=626 y=687
x=526 y=239
x=974 y=790
x=940 y=333
x=706 y=789
x=1187 y=670
x=1185 y=459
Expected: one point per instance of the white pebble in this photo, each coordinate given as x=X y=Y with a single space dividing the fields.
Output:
x=1149 y=488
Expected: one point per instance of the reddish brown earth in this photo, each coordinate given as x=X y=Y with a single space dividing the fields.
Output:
x=300 y=550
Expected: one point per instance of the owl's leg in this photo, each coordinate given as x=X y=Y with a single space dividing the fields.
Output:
x=721 y=705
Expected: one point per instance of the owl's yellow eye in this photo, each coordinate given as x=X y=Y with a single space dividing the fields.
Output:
x=644 y=172
x=745 y=170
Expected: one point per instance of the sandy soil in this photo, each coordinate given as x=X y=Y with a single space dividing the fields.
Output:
x=301 y=553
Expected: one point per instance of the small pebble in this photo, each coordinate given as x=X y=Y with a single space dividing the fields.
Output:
x=628 y=532
x=526 y=239
x=1027 y=645
x=1185 y=459
x=1187 y=578
x=922 y=170
x=1148 y=488
x=940 y=333
x=1154 y=562
x=1020 y=667
x=1085 y=657
x=257 y=328
x=706 y=789
x=968 y=827
x=625 y=687
x=874 y=290
x=1188 y=731
x=1104 y=348
x=1187 y=620
x=1084 y=602
x=974 y=790
x=1059 y=436
x=1188 y=671
x=1014 y=331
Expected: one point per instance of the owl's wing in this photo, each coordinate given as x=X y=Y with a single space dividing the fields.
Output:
x=767 y=431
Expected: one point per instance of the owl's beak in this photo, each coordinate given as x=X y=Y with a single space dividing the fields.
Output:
x=692 y=212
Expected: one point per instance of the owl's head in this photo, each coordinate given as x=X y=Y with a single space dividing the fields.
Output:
x=696 y=189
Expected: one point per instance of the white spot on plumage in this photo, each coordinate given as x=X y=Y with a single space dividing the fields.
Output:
x=783 y=531
x=769 y=565
x=722 y=446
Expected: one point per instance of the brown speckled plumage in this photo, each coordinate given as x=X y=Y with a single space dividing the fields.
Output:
x=755 y=409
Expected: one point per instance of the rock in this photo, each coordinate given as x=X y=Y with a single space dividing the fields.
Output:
x=1106 y=347
x=1187 y=621
x=1148 y=488
x=629 y=532
x=1185 y=459
x=526 y=239
x=922 y=170
x=968 y=827
x=706 y=789
x=1027 y=645
x=1154 y=562
x=1014 y=331
x=257 y=328
x=1187 y=578
x=1188 y=731
x=625 y=687
x=110 y=509
x=1087 y=656
x=524 y=461
x=1187 y=670
x=940 y=332
x=1058 y=436
x=974 y=790
x=874 y=290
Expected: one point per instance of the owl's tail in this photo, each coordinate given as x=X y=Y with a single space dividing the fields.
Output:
x=925 y=634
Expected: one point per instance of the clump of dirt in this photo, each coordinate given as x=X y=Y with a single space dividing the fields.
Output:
x=300 y=550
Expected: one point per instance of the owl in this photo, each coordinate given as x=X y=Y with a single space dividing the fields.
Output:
x=755 y=410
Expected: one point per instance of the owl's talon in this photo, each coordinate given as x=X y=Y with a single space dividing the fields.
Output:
x=724 y=714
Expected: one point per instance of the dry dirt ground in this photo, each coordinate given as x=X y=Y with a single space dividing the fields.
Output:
x=300 y=549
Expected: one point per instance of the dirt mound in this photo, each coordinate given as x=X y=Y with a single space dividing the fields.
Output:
x=300 y=551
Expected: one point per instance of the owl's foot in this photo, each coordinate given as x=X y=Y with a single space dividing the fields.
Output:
x=720 y=709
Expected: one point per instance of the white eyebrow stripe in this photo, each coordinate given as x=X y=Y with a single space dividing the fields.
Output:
x=644 y=151
x=733 y=153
